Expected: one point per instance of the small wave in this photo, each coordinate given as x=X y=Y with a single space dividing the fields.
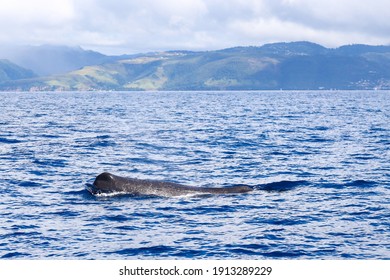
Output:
x=29 y=184
x=64 y=213
x=111 y=194
x=9 y=141
x=264 y=250
x=127 y=228
x=15 y=255
x=288 y=254
x=336 y=186
x=91 y=189
x=116 y=218
x=78 y=192
x=355 y=183
x=95 y=142
x=146 y=196
x=151 y=251
x=190 y=253
x=51 y=162
x=361 y=183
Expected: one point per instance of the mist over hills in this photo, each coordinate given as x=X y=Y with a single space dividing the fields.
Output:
x=48 y=60
x=290 y=66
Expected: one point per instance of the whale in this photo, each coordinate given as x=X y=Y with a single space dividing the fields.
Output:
x=110 y=184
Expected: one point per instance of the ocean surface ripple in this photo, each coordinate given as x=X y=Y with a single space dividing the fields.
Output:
x=320 y=162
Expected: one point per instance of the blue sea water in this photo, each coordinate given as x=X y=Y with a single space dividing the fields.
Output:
x=320 y=162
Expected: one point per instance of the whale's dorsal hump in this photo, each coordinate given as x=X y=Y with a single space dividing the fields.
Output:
x=105 y=181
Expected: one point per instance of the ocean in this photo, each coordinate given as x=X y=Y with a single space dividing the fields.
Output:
x=319 y=161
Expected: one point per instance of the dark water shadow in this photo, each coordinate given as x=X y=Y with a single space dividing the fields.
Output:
x=281 y=186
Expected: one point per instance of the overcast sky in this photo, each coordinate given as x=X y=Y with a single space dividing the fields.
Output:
x=131 y=26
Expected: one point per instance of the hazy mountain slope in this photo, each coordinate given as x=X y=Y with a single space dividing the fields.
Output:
x=10 y=71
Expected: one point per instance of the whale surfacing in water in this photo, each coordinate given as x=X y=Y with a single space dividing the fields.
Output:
x=107 y=183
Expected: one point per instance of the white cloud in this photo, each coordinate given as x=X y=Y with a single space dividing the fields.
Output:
x=34 y=12
x=340 y=15
x=132 y=26
x=36 y=21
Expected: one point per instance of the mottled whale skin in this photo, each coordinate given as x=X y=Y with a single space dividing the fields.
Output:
x=107 y=183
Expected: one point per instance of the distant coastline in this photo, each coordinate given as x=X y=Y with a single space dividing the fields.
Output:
x=287 y=66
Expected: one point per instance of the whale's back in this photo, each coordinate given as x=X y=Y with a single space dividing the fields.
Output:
x=109 y=183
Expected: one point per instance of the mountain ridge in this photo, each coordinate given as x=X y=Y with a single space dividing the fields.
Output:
x=291 y=66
